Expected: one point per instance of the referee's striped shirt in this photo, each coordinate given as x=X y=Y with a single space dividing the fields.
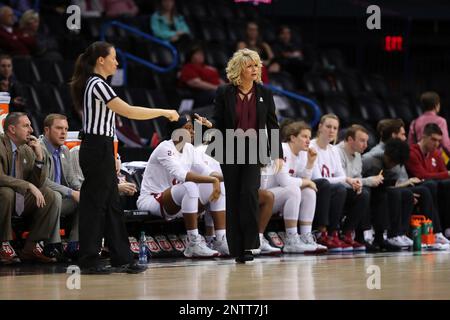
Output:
x=97 y=117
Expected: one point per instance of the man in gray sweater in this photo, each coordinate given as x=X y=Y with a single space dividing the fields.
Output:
x=355 y=143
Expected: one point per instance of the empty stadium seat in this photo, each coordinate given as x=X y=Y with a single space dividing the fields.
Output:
x=25 y=70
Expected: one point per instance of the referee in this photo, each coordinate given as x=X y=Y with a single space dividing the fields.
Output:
x=100 y=210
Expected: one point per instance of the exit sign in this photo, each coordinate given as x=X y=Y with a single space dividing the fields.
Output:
x=393 y=43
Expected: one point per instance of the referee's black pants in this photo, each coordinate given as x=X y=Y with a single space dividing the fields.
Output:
x=242 y=182
x=100 y=212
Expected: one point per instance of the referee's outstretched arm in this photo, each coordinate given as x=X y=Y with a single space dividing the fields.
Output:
x=140 y=113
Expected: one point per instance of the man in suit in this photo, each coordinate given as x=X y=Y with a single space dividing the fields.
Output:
x=22 y=190
x=61 y=179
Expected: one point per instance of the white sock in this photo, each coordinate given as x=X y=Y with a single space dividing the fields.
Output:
x=192 y=234
x=368 y=235
x=291 y=231
x=220 y=234
x=305 y=228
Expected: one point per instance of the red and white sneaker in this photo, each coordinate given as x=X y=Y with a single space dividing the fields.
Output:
x=348 y=239
x=345 y=246
x=7 y=254
x=328 y=242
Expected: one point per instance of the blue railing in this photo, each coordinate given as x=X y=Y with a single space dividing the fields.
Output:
x=317 y=113
x=124 y=56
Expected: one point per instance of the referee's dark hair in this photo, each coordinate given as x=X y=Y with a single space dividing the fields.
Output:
x=84 y=67
x=397 y=151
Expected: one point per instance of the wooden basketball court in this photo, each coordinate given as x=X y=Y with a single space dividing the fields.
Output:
x=403 y=275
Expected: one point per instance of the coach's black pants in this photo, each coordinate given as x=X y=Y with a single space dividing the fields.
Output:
x=100 y=212
x=242 y=182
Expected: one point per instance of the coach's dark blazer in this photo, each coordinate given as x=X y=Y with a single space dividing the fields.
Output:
x=225 y=112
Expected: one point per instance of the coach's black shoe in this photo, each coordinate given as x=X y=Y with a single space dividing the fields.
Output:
x=97 y=270
x=130 y=268
x=246 y=256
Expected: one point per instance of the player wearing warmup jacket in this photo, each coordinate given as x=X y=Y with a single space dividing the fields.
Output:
x=176 y=180
x=345 y=190
x=294 y=192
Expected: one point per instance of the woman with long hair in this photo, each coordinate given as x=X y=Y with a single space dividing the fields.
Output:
x=100 y=212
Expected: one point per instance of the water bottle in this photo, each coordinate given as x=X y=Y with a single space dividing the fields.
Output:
x=417 y=236
x=142 y=249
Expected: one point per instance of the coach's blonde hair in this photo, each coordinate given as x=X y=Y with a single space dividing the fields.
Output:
x=237 y=64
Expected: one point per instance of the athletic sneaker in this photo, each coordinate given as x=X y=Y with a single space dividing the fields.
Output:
x=328 y=242
x=398 y=242
x=345 y=246
x=439 y=238
x=407 y=240
x=348 y=239
x=197 y=248
x=309 y=238
x=266 y=248
x=221 y=246
x=295 y=244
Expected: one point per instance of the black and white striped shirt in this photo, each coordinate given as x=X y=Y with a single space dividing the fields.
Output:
x=97 y=117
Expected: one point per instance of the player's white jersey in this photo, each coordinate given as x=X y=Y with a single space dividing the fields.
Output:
x=296 y=164
x=328 y=164
x=209 y=161
x=167 y=167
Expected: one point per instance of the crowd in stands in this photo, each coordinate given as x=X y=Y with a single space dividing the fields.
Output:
x=333 y=196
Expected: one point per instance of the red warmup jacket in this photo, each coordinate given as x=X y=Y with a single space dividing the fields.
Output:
x=431 y=166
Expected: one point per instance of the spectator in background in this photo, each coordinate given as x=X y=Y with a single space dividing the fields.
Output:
x=202 y=79
x=289 y=54
x=45 y=46
x=9 y=83
x=432 y=105
x=253 y=41
x=119 y=8
x=168 y=25
x=11 y=40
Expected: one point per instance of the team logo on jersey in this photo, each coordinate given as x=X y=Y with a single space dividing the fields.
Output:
x=169 y=153
x=291 y=172
x=325 y=171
